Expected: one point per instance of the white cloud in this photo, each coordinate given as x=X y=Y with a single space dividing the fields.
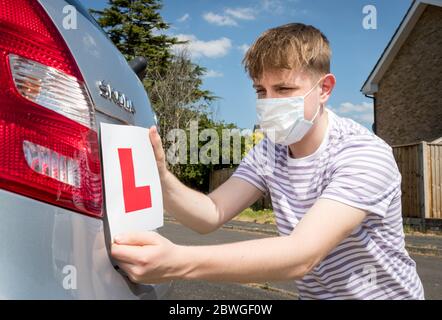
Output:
x=210 y=49
x=272 y=6
x=279 y=7
x=362 y=112
x=219 y=20
x=213 y=74
x=348 y=107
x=230 y=16
x=365 y=117
x=244 y=47
x=241 y=13
x=184 y=18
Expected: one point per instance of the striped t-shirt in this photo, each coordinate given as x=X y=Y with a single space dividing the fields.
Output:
x=355 y=167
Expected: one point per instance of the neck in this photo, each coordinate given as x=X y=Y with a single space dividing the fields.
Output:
x=313 y=139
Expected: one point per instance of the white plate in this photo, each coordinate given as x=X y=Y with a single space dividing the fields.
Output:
x=133 y=196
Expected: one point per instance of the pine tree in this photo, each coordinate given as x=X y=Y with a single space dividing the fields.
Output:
x=134 y=26
x=173 y=81
x=137 y=29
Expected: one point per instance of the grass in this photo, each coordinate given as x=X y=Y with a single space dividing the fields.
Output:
x=266 y=216
x=415 y=230
x=257 y=216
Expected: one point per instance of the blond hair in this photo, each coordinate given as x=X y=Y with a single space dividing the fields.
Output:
x=291 y=46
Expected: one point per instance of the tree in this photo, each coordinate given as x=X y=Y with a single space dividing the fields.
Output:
x=134 y=26
x=137 y=29
x=179 y=97
x=173 y=81
x=197 y=175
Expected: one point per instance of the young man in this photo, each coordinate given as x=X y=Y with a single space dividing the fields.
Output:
x=335 y=189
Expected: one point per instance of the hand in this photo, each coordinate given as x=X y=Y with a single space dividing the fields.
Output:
x=147 y=257
x=158 y=151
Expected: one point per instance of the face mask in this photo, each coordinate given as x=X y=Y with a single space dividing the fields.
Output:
x=282 y=119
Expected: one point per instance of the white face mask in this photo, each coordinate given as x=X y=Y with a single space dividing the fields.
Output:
x=282 y=119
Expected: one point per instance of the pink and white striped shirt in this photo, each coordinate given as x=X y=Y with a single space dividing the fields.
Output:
x=355 y=167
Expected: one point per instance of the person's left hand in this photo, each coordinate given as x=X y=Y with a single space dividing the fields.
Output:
x=147 y=257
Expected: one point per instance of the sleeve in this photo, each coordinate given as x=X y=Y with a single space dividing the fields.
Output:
x=364 y=176
x=251 y=167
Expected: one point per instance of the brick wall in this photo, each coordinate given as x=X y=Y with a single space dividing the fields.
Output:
x=409 y=100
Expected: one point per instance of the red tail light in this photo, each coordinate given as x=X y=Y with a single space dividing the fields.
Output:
x=48 y=140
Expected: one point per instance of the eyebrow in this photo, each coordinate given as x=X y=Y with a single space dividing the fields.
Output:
x=285 y=84
x=279 y=85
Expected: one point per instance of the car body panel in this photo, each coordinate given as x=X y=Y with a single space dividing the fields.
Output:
x=48 y=252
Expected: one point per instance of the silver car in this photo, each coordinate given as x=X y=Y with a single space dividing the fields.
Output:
x=59 y=79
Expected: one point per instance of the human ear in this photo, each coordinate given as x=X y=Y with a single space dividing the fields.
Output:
x=327 y=87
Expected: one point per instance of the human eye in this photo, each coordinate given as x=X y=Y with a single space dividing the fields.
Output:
x=260 y=93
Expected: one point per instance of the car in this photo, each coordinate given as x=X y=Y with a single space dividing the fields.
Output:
x=57 y=84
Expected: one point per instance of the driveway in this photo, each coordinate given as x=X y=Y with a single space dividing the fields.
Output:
x=429 y=269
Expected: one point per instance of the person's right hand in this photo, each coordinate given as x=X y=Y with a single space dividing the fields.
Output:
x=158 y=150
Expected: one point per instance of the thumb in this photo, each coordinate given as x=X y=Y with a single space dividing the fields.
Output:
x=137 y=238
x=157 y=146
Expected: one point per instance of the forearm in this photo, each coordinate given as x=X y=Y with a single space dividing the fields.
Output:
x=191 y=208
x=279 y=258
x=321 y=229
x=149 y=258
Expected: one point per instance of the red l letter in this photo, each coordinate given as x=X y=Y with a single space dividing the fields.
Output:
x=135 y=198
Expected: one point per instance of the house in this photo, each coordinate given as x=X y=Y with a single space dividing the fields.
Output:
x=406 y=82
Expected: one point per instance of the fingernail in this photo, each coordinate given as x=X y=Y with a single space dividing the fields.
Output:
x=118 y=239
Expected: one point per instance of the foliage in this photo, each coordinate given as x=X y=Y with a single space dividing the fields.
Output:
x=173 y=81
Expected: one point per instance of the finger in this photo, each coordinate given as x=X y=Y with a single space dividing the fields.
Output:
x=156 y=144
x=128 y=270
x=128 y=254
x=137 y=238
x=125 y=268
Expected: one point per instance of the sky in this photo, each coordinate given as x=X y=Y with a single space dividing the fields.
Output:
x=221 y=31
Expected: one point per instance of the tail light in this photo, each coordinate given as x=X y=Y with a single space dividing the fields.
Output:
x=48 y=138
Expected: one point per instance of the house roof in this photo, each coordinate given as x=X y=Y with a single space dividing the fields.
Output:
x=437 y=141
x=401 y=34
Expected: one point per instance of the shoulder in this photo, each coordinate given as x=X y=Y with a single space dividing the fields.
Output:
x=347 y=135
x=265 y=149
x=351 y=144
x=343 y=129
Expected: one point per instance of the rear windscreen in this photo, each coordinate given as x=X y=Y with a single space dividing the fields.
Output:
x=85 y=13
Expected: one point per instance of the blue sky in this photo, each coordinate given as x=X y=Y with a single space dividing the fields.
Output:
x=220 y=31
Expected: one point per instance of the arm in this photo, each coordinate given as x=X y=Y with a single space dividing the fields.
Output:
x=155 y=259
x=200 y=212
